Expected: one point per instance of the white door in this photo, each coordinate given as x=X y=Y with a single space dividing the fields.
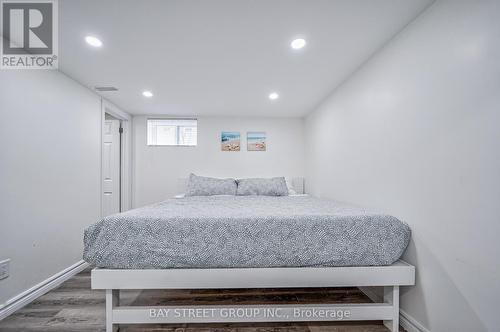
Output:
x=111 y=167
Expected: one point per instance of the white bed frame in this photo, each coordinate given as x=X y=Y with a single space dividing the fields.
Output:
x=390 y=277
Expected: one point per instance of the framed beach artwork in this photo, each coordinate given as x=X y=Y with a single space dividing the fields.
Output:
x=256 y=141
x=230 y=141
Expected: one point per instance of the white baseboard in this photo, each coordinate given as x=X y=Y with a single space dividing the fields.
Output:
x=372 y=295
x=409 y=323
x=21 y=300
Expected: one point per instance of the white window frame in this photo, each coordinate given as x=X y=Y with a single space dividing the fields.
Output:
x=177 y=133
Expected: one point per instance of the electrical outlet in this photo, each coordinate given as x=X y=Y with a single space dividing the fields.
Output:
x=4 y=268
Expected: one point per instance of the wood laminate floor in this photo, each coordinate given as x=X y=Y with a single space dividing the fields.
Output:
x=73 y=306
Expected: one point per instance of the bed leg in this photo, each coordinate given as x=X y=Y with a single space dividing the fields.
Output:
x=112 y=301
x=391 y=296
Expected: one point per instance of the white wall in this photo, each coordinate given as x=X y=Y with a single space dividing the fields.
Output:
x=49 y=174
x=157 y=168
x=416 y=132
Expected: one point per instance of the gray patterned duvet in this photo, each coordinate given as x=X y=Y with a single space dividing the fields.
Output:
x=245 y=231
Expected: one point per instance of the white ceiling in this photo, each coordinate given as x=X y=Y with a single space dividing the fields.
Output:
x=223 y=57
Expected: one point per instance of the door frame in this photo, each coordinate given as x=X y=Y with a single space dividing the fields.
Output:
x=125 y=154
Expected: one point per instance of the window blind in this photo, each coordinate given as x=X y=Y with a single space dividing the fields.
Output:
x=175 y=132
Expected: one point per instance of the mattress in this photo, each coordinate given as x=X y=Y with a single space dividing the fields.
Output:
x=245 y=232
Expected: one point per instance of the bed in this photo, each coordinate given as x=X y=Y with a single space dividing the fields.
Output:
x=248 y=242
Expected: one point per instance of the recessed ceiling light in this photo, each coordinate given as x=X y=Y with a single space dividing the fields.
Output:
x=147 y=94
x=297 y=44
x=93 y=41
x=274 y=96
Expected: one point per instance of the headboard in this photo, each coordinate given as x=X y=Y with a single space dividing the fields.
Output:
x=297 y=184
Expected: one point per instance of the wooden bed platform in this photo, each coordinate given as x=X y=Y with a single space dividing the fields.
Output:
x=390 y=277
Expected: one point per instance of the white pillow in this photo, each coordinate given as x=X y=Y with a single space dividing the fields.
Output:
x=289 y=185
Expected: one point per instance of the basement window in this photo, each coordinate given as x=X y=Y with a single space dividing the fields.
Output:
x=172 y=132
